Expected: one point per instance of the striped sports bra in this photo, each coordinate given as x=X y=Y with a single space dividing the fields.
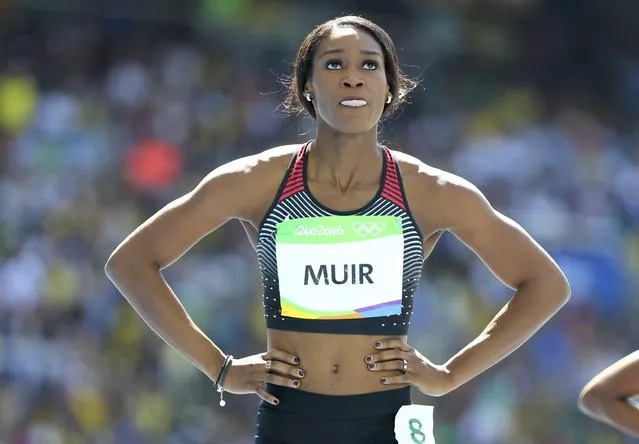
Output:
x=348 y=272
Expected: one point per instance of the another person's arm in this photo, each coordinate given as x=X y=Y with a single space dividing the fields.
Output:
x=605 y=397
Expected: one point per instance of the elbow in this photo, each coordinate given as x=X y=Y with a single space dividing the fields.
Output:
x=121 y=260
x=113 y=264
x=552 y=286
x=559 y=287
x=564 y=290
x=596 y=400
x=590 y=401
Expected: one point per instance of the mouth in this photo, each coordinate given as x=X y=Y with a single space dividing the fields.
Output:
x=353 y=102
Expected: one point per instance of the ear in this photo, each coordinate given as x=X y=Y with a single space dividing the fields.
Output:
x=308 y=92
x=389 y=96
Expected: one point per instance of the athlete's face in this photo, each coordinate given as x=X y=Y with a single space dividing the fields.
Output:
x=348 y=82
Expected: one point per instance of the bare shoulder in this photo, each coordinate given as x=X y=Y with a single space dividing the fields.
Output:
x=434 y=179
x=434 y=193
x=239 y=189
x=255 y=178
x=279 y=156
x=268 y=164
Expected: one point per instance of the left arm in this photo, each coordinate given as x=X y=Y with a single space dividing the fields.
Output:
x=517 y=261
x=448 y=202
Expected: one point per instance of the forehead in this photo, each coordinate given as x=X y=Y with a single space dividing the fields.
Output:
x=343 y=38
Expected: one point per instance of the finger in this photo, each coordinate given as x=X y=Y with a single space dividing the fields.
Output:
x=266 y=396
x=387 y=355
x=390 y=380
x=279 y=355
x=282 y=368
x=388 y=365
x=281 y=380
x=388 y=343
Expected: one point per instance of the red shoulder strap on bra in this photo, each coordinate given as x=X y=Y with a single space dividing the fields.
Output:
x=392 y=189
x=295 y=180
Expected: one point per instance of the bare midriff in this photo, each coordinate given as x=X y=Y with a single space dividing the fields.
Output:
x=334 y=363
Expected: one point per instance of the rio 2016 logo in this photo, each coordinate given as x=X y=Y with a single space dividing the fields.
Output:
x=319 y=230
x=362 y=229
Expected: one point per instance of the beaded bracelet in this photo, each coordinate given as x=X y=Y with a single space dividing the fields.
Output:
x=220 y=379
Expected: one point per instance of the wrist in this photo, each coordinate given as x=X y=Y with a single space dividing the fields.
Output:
x=447 y=379
x=221 y=377
x=437 y=380
x=214 y=364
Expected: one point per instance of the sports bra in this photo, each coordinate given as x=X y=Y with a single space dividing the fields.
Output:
x=347 y=272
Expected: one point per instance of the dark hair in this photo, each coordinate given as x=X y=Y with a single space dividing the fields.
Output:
x=399 y=84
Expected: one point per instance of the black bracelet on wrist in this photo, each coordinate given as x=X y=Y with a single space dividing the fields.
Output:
x=220 y=379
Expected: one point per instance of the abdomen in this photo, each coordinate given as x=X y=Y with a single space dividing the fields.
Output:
x=334 y=363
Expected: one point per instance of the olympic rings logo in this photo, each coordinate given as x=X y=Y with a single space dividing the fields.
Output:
x=368 y=228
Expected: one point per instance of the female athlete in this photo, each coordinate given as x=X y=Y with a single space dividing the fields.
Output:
x=341 y=226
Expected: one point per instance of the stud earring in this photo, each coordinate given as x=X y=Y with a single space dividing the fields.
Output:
x=308 y=96
x=389 y=99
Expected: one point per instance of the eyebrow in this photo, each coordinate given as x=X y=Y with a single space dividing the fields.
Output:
x=340 y=51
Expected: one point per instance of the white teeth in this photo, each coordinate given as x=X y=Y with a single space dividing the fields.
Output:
x=355 y=103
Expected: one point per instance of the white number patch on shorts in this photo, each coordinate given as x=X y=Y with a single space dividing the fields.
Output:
x=414 y=424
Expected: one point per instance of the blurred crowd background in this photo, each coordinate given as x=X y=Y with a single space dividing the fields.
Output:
x=110 y=109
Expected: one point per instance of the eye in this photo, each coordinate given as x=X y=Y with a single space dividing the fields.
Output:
x=333 y=64
x=370 y=65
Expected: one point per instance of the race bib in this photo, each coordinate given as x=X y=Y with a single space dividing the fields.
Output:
x=340 y=267
x=414 y=425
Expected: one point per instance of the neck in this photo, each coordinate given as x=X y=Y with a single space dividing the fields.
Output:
x=344 y=158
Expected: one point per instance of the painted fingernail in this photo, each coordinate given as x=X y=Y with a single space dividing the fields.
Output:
x=301 y=373
x=368 y=358
x=378 y=344
x=276 y=401
x=371 y=366
x=384 y=380
x=296 y=360
x=296 y=383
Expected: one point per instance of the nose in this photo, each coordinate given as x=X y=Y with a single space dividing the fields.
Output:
x=352 y=82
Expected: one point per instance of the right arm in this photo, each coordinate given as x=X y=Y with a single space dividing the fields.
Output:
x=135 y=265
x=605 y=397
